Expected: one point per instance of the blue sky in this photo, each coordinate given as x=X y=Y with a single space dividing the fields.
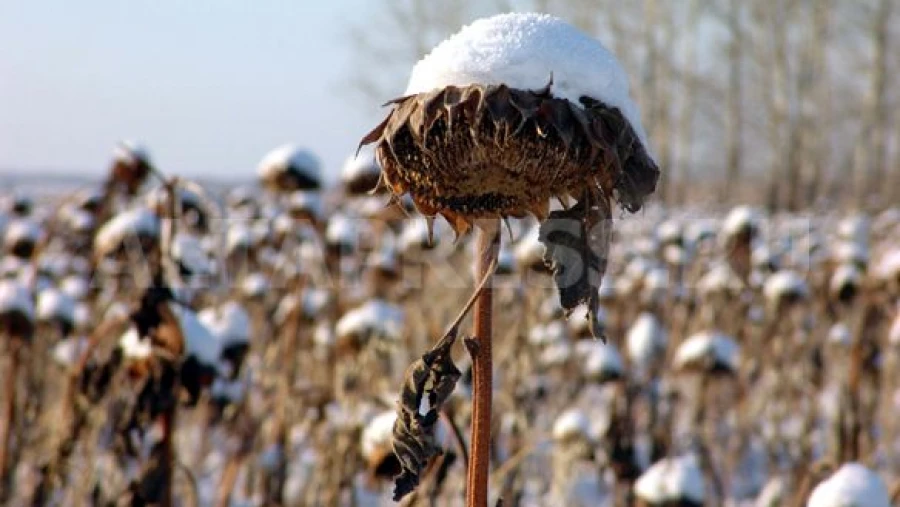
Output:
x=208 y=85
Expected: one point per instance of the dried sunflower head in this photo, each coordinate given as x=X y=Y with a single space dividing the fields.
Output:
x=130 y=168
x=360 y=174
x=289 y=168
x=478 y=137
x=16 y=311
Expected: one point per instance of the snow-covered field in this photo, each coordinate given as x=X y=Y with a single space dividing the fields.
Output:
x=170 y=342
x=749 y=356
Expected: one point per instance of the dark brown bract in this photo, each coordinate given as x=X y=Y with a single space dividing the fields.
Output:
x=493 y=151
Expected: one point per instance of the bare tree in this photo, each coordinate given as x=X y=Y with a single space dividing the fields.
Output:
x=734 y=94
x=683 y=159
x=895 y=165
x=406 y=31
x=771 y=60
x=773 y=21
x=663 y=90
x=869 y=156
x=792 y=148
x=816 y=107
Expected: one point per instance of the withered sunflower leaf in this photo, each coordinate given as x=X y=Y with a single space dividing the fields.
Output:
x=433 y=378
x=404 y=484
x=576 y=243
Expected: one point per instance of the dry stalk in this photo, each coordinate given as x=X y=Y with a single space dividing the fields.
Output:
x=8 y=413
x=702 y=423
x=229 y=477
x=288 y=368
x=515 y=461
x=851 y=449
x=895 y=493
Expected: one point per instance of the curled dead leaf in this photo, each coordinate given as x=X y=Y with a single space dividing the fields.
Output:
x=576 y=242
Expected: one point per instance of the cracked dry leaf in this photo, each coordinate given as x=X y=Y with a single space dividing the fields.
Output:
x=427 y=385
x=576 y=242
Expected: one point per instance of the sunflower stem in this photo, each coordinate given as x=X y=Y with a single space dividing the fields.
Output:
x=8 y=415
x=168 y=422
x=482 y=367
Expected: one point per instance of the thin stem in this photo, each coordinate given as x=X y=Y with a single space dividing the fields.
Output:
x=168 y=418
x=458 y=439
x=449 y=337
x=8 y=414
x=482 y=374
x=229 y=478
x=194 y=496
x=168 y=423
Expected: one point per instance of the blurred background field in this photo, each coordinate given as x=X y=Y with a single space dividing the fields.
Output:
x=752 y=308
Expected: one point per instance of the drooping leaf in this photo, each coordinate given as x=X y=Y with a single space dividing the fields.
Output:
x=427 y=384
x=576 y=242
x=414 y=445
